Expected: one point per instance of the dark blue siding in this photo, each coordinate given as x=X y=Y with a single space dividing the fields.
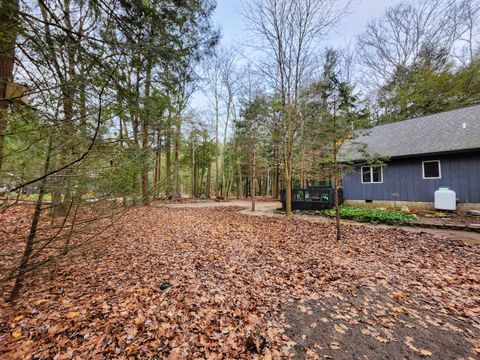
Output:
x=461 y=172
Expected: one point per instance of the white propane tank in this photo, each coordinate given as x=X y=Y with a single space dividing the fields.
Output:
x=445 y=199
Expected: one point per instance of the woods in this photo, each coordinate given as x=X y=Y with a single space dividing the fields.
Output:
x=145 y=140
x=104 y=92
x=110 y=110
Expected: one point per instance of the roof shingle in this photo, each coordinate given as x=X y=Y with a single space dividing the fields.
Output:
x=453 y=130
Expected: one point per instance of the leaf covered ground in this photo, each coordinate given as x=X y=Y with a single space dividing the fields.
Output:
x=247 y=287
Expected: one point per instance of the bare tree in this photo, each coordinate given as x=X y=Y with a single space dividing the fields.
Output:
x=288 y=31
x=222 y=77
x=248 y=86
x=230 y=78
x=214 y=91
x=253 y=162
x=468 y=31
x=396 y=40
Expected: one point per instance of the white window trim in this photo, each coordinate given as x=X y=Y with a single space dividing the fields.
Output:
x=371 y=175
x=439 y=170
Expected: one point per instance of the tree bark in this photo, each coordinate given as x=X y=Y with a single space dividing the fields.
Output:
x=335 y=174
x=27 y=252
x=239 y=175
x=168 y=156
x=8 y=36
x=192 y=166
x=144 y=124
x=217 y=166
x=288 y=146
x=177 y=179
x=254 y=170
x=208 y=194
x=158 y=162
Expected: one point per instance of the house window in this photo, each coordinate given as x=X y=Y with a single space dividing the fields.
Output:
x=372 y=174
x=431 y=169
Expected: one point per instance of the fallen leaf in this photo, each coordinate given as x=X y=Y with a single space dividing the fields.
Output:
x=398 y=309
x=339 y=329
x=398 y=296
x=425 y=352
x=267 y=354
x=71 y=314
x=312 y=355
x=131 y=349
x=334 y=346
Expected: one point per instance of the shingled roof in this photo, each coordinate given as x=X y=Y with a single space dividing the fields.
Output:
x=449 y=131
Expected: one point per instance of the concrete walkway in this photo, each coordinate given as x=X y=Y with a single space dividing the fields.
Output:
x=267 y=208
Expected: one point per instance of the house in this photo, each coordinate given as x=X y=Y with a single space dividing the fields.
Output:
x=422 y=154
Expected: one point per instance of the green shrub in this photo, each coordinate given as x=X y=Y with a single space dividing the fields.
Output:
x=372 y=215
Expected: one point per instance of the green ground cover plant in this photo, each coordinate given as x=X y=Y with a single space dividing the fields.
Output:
x=372 y=215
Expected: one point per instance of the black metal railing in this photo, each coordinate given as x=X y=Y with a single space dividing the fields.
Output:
x=315 y=198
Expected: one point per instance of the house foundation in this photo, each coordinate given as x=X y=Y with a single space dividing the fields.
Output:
x=412 y=205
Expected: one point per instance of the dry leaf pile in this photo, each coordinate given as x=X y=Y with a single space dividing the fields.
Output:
x=232 y=277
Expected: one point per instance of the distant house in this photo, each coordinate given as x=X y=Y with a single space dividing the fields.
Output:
x=423 y=154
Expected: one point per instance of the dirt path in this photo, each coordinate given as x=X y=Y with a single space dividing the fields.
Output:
x=262 y=207
x=267 y=208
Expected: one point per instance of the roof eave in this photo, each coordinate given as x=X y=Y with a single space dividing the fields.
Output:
x=406 y=156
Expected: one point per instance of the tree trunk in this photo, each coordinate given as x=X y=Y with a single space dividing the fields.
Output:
x=66 y=248
x=288 y=191
x=8 y=37
x=229 y=183
x=158 y=163
x=201 y=188
x=145 y=194
x=208 y=194
x=335 y=175
x=27 y=252
x=225 y=131
x=133 y=106
x=196 y=180
x=83 y=104
x=144 y=123
x=217 y=144
x=239 y=178
x=192 y=171
x=267 y=190
x=276 y=172
x=254 y=171
x=177 y=179
x=168 y=157
x=69 y=88
x=288 y=170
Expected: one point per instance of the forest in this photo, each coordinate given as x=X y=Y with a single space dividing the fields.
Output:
x=104 y=91
x=110 y=108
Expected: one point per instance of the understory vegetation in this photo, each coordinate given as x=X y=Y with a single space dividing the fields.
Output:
x=372 y=215
x=363 y=214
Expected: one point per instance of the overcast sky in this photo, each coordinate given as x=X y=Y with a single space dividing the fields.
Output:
x=227 y=16
x=232 y=26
